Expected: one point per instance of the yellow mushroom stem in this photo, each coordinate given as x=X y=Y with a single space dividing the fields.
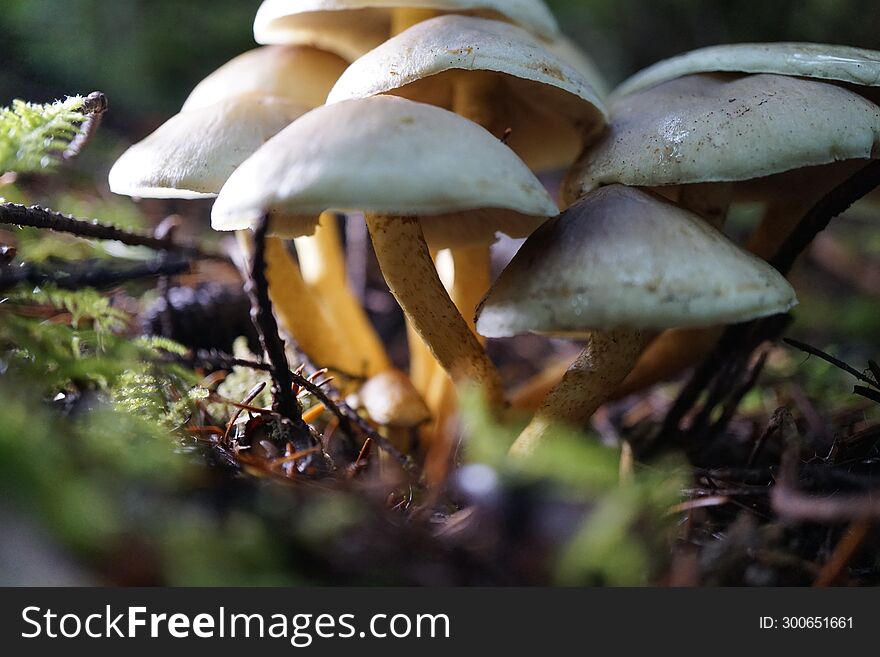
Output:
x=711 y=201
x=599 y=369
x=421 y=361
x=779 y=220
x=406 y=263
x=403 y=18
x=322 y=262
x=299 y=312
x=470 y=276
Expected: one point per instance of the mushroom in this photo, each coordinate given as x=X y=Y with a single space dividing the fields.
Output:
x=757 y=136
x=393 y=403
x=193 y=153
x=396 y=160
x=620 y=265
x=341 y=26
x=493 y=73
x=226 y=118
x=302 y=75
x=499 y=76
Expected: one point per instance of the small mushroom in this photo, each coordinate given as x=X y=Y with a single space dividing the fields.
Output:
x=393 y=403
x=396 y=160
x=618 y=266
x=193 y=154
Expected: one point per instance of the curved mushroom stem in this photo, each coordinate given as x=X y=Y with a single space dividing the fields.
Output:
x=297 y=309
x=605 y=361
x=322 y=262
x=780 y=218
x=409 y=271
x=471 y=274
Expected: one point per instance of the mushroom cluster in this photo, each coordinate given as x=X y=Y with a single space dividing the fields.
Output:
x=433 y=118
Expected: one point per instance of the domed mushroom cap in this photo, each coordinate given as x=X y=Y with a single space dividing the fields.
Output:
x=301 y=75
x=624 y=258
x=382 y=155
x=854 y=66
x=352 y=27
x=713 y=128
x=391 y=400
x=540 y=96
x=192 y=154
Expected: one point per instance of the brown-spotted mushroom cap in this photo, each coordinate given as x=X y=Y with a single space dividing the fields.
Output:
x=626 y=258
x=391 y=400
x=192 y=154
x=546 y=102
x=301 y=75
x=383 y=155
x=853 y=66
x=350 y=28
x=718 y=128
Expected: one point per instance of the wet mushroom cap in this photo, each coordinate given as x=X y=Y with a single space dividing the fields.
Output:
x=625 y=258
x=383 y=155
x=854 y=66
x=719 y=128
x=542 y=97
x=301 y=75
x=391 y=400
x=193 y=153
x=352 y=27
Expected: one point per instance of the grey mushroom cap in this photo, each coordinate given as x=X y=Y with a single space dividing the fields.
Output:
x=625 y=258
x=193 y=153
x=719 y=128
x=854 y=66
x=384 y=155
x=549 y=106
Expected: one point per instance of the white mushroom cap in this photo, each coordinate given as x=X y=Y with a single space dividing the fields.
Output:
x=193 y=154
x=543 y=98
x=854 y=66
x=352 y=27
x=301 y=75
x=714 y=128
x=382 y=155
x=391 y=400
x=624 y=258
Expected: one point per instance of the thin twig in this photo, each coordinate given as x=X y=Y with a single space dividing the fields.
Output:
x=828 y=358
x=348 y=418
x=94 y=275
x=37 y=217
x=257 y=288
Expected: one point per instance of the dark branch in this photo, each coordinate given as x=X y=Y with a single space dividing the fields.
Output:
x=37 y=217
x=96 y=275
x=257 y=288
